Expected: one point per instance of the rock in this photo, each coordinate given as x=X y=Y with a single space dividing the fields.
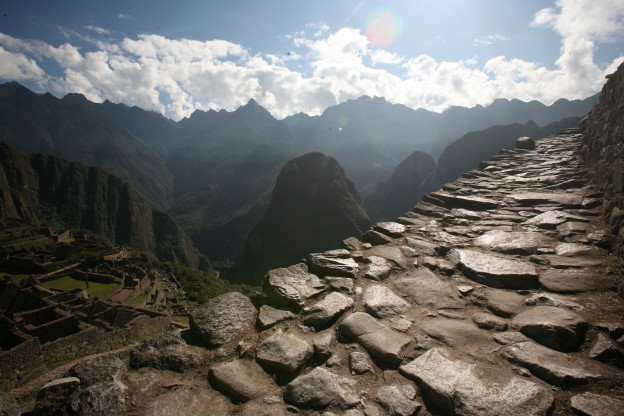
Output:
x=456 y=333
x=165 y=352
x=489 y=322
x=324 y=312
x=457 y=387
x=450 y=201
x=525 y=143
x=514 y=242
x=510 y=337
x=575 y=249
x=425 y=288
x=495 y=270
x=548 y=220
x=398 y=400
x=575 y=281
x=591 y=404
x=322 y=344
x=391 y=229
x=320 y=388
x=52 y=397
x=376 y=238
x=8 y=405
x=242 y=380
x=107 y=398
x=551 y=366
x=378 y=268
x=343 y=284
x=557 y=328
x=571 y=228
x=359 y=363
x=567 y=200
x=561 y=262
x=504 y=303
x=424 y=247
x=377 y=339
x=381 y=302
x=189 y=401
x=291 y=286
x=106 y=368
x=548 y=299
x=284 y=352
x=333 y=263
x=607 y=351
x=223 y=319
x=269 y=316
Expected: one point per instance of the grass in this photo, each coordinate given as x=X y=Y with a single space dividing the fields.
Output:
x=180 y=318
x=14 y=276
x=68 y=283
x=139 y=300
x=55 y=364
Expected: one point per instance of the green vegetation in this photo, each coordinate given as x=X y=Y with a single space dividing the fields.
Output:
x=15 y=276
x=180 y=318
x=139 y=300
x=55 y=364
x=68 y=283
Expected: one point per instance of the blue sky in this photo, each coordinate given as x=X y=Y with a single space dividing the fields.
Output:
x=292 y=56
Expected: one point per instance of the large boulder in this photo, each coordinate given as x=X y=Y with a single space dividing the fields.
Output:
x=320 y=388
x=165 y=352
x=284 y=352
x=242 y=380
x=223 y=319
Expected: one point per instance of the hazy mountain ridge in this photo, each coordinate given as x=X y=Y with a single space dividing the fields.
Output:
x=45 y=190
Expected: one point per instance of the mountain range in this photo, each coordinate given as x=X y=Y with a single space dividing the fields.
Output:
x=214 y=171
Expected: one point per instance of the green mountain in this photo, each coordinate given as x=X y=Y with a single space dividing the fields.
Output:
x=46 y=190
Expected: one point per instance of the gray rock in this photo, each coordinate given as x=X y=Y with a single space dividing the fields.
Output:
x=322 y=344
x=510 y=337
x=291 y=286
x=552 y=366
x=284 y=352
x=391 y=229
x=398 y=400
x=269 y=316
x=359 y=363
x=223 y=319
x=591 y=404
x=457 y=387
x=96 y=370
x=575 y=249
x=375 y=238
x=381 y=302
x=377 y=339
x=495 y=270
x=456 y=333
x=514 y=242
x=166 y=352
x=106 y=398
x=8 y=405
x=378 y=268
x=557 y=328
x=53 y=397
x=489 y=322
x=424 y=247
x=259 y=407
x=568 y=200
x=548 y=220
x=575 y=281
x=343 y=284
x=473 y=203
x=425 y=288
x=561 y=262
x=320 y=388
x=333 y=263
x=525 y=143
x=504 y=303
x=242 y=380
x=325 y=311
x=607 y=351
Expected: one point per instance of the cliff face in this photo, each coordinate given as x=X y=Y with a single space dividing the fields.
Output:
x=313 y=208
x=43 y=189
x=603 y=151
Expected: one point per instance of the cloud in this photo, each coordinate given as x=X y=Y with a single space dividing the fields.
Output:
x=125 y=16
x=178 y=76
x=98 y=30
x=489 y=40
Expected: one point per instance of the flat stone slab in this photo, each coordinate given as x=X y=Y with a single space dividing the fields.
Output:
x=557 y=328
x=425 y=288
x=495 y=270
x=321 y=388
x=456 y=333
x=423 y=246
x=489 y=322
x=504 y=303
x=325 y=311
x=456 y=387
x=381 y=302
x=377 y=339
x=291 y=286
x=568 y=200
x=562 y=262
x=398 y=400
x=591 y=404
x=242 y=380
x=391 y=229
x=222 y=319
x=575 y=249
x=575 y=281
x=551 y=366
x=548 y=220
x=378 y=268
x=284 y=352
x=269 y=316
x=514 y=242
x=333 y=263
x=473 y=203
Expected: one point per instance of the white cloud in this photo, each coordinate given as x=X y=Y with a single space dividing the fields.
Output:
x=125 y=16
x=177 y=76
x=98 y=30
x=489 y=40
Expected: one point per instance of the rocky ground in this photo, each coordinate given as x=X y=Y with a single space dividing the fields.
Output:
x=496 y=295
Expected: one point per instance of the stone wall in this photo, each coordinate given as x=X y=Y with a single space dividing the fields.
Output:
x=603 y=152
x=21 y=363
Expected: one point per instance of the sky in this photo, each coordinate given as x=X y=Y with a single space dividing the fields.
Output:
x=295 y=56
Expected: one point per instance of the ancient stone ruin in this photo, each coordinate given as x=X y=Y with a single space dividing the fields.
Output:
x=496 y=295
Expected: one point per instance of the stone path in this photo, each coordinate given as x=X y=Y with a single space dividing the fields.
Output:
x=496 y=295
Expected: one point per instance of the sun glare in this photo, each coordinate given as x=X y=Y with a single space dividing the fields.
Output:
x=383 y=27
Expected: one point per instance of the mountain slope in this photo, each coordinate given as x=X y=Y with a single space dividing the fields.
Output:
x=313 y=208
x=46 y=190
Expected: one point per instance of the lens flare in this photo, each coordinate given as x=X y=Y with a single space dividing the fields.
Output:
x=383 y=27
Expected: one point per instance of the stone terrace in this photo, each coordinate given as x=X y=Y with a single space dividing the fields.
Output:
x=497 y=295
